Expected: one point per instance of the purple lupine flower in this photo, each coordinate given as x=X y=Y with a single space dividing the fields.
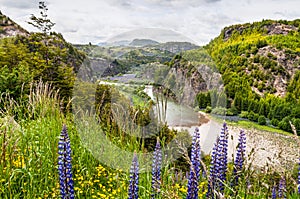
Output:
x=134 y=179
x=274 y=193
x=65 y=165
x=156 y=170
x=212 y=172
x=221 y=160
x=240 y=156
x=299 y=177
x=194 y=174
x=282 y=188
x=218 y=166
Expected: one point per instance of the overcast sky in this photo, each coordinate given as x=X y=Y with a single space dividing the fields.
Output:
x=98 y=20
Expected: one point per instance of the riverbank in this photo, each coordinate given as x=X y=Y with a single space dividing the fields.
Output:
x=269 y=150
x=265 y=148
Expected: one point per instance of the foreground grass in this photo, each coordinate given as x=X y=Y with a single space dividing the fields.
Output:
x=28 y=161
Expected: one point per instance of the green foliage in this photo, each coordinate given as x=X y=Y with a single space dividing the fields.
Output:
x=294 y=86
x=27 y=59
x=284 y=124
x=203 y=100
x=219 y=111
x=244 y=114
x=114 y=111
x=262 y=120
x=253 y=116
x=247 y=56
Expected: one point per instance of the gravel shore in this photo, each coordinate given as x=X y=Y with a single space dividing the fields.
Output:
x=269 y=150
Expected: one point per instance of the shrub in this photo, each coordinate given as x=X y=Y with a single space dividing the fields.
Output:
x=262 y=120
x=219 y=111
x=275 y=122
x=244 y=114
x=253 y=116
x=208 y=109
x=285 y=124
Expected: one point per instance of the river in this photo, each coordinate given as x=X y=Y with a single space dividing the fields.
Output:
x=266 y=145
x=181 y=117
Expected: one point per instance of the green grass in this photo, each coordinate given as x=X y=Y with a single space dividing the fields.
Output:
x=29 y=153
x=254 y=125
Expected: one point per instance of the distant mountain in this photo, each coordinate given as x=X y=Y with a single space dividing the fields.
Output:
x=176 y=47
x=156 y=34
x=115 y=43
x=143 y=42
x=9 y=28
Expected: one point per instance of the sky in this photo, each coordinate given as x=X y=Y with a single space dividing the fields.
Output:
x=100 y=20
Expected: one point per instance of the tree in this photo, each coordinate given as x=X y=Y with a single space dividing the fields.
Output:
x=42 y=23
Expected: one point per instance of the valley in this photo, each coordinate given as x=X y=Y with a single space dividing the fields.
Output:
x=125 y=107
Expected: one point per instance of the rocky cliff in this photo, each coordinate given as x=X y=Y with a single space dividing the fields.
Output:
x=9 y=28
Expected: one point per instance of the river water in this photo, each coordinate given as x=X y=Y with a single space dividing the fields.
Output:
x=181 y=117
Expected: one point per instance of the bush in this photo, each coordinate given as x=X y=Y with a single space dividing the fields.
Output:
x=233 y=110
x=275 y=122
x=253 y=116
x=219 y=111
x=296 y=123
x=208 y=109
x=262 y=120
x=244 y=114
x=285 y=124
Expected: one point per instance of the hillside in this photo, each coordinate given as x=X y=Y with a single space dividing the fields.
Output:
x=27 y=57
x=113 y=60
x=266 y=54
x=143 y=42
x=259 y=63
x=9 y=28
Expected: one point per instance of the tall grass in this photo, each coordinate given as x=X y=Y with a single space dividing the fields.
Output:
x=29 y=135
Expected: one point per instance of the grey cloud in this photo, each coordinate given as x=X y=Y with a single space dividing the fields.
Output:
x=120 y=3
x=21 y=4
x=69 y=30
x=212 y=1
x=126 y=4
x=280 y=14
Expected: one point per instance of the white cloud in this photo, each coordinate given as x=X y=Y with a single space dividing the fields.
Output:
x=200 y=20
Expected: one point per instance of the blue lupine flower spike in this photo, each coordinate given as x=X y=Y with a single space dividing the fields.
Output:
x=299 y=177
x=282 y=188
x=194 y=174
x=134 y=179
x=240 y=156
x=65 y=165
x=156 y=170
x=218 y=167
x=274 y=193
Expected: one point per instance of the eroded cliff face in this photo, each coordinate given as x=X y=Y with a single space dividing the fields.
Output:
x=9 y=28
x=185 y=81
x=289 y=64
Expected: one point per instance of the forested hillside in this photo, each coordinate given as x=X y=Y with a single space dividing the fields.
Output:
x=259 y=64
x=25 y=58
